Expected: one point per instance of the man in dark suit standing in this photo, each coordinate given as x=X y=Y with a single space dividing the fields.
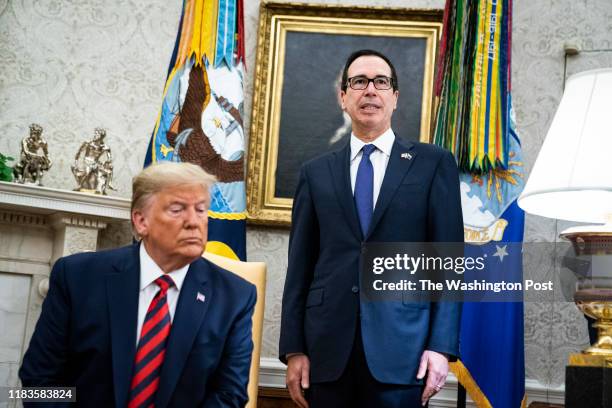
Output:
x=151 y=324
x=342 y=351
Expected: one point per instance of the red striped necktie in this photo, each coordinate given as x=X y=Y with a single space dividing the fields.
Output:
x=151 y=348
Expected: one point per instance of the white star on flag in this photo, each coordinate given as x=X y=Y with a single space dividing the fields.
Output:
x=501 y=252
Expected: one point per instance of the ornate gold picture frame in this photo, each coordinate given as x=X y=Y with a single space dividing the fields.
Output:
x=301 y=50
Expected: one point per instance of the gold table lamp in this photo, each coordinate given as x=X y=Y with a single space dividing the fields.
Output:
x=572 y=180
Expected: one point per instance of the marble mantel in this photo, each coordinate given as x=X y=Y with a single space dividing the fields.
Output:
x=44 y=200
x=74 y=218
x=37 y=226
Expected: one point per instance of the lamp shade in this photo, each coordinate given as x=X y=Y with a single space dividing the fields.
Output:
x=572 y=176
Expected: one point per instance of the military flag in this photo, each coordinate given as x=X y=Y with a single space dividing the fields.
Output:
x=475 y=122
x=201 y=116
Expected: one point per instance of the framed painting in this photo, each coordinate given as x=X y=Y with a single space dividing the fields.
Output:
x=301 y=51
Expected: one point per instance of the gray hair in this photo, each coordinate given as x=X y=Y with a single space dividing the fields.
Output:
x=162 y=175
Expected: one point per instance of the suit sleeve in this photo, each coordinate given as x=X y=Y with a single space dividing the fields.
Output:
x=228 y=387
x=44 y=363
x=303 y=253
x=445 y=224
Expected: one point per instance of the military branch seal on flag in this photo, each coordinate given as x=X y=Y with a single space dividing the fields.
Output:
x=200 y=120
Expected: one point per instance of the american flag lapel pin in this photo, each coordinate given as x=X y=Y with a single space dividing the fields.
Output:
x=406 y=156
x=200 y=297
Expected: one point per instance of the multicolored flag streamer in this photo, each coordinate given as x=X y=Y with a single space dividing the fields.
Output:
x=200 y=120
x=476 y=122
x=473 y=84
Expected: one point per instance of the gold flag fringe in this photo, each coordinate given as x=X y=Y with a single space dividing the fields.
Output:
x=467 y=381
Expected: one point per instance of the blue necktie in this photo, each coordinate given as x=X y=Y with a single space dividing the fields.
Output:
x=364 y=188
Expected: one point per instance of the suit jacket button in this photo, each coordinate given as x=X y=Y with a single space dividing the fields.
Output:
x=355 y=289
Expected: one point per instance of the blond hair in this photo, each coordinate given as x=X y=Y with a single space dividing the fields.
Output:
x=162 y=175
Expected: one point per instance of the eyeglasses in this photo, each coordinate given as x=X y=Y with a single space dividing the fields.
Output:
x=360 y=82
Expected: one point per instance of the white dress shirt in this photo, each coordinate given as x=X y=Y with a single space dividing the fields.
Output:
x=379 y=159
x=149 y=271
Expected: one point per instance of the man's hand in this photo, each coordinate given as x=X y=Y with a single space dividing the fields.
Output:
x=436 y=366
x=298 y=377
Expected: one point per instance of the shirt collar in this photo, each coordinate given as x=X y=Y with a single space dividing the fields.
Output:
x=149 y=271
x=384 y=143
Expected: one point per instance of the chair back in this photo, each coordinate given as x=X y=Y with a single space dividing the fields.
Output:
x=254 y=272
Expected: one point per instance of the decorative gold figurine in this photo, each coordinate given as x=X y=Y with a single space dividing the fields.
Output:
x=34 y=158
x=93 y=165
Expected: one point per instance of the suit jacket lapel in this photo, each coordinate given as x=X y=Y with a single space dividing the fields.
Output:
x=341 y=176
x=122 y=291
x=400 y=161
x=190 y=311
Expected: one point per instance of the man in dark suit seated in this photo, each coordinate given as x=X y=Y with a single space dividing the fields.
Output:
x=151 y=324
x=343 y=351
